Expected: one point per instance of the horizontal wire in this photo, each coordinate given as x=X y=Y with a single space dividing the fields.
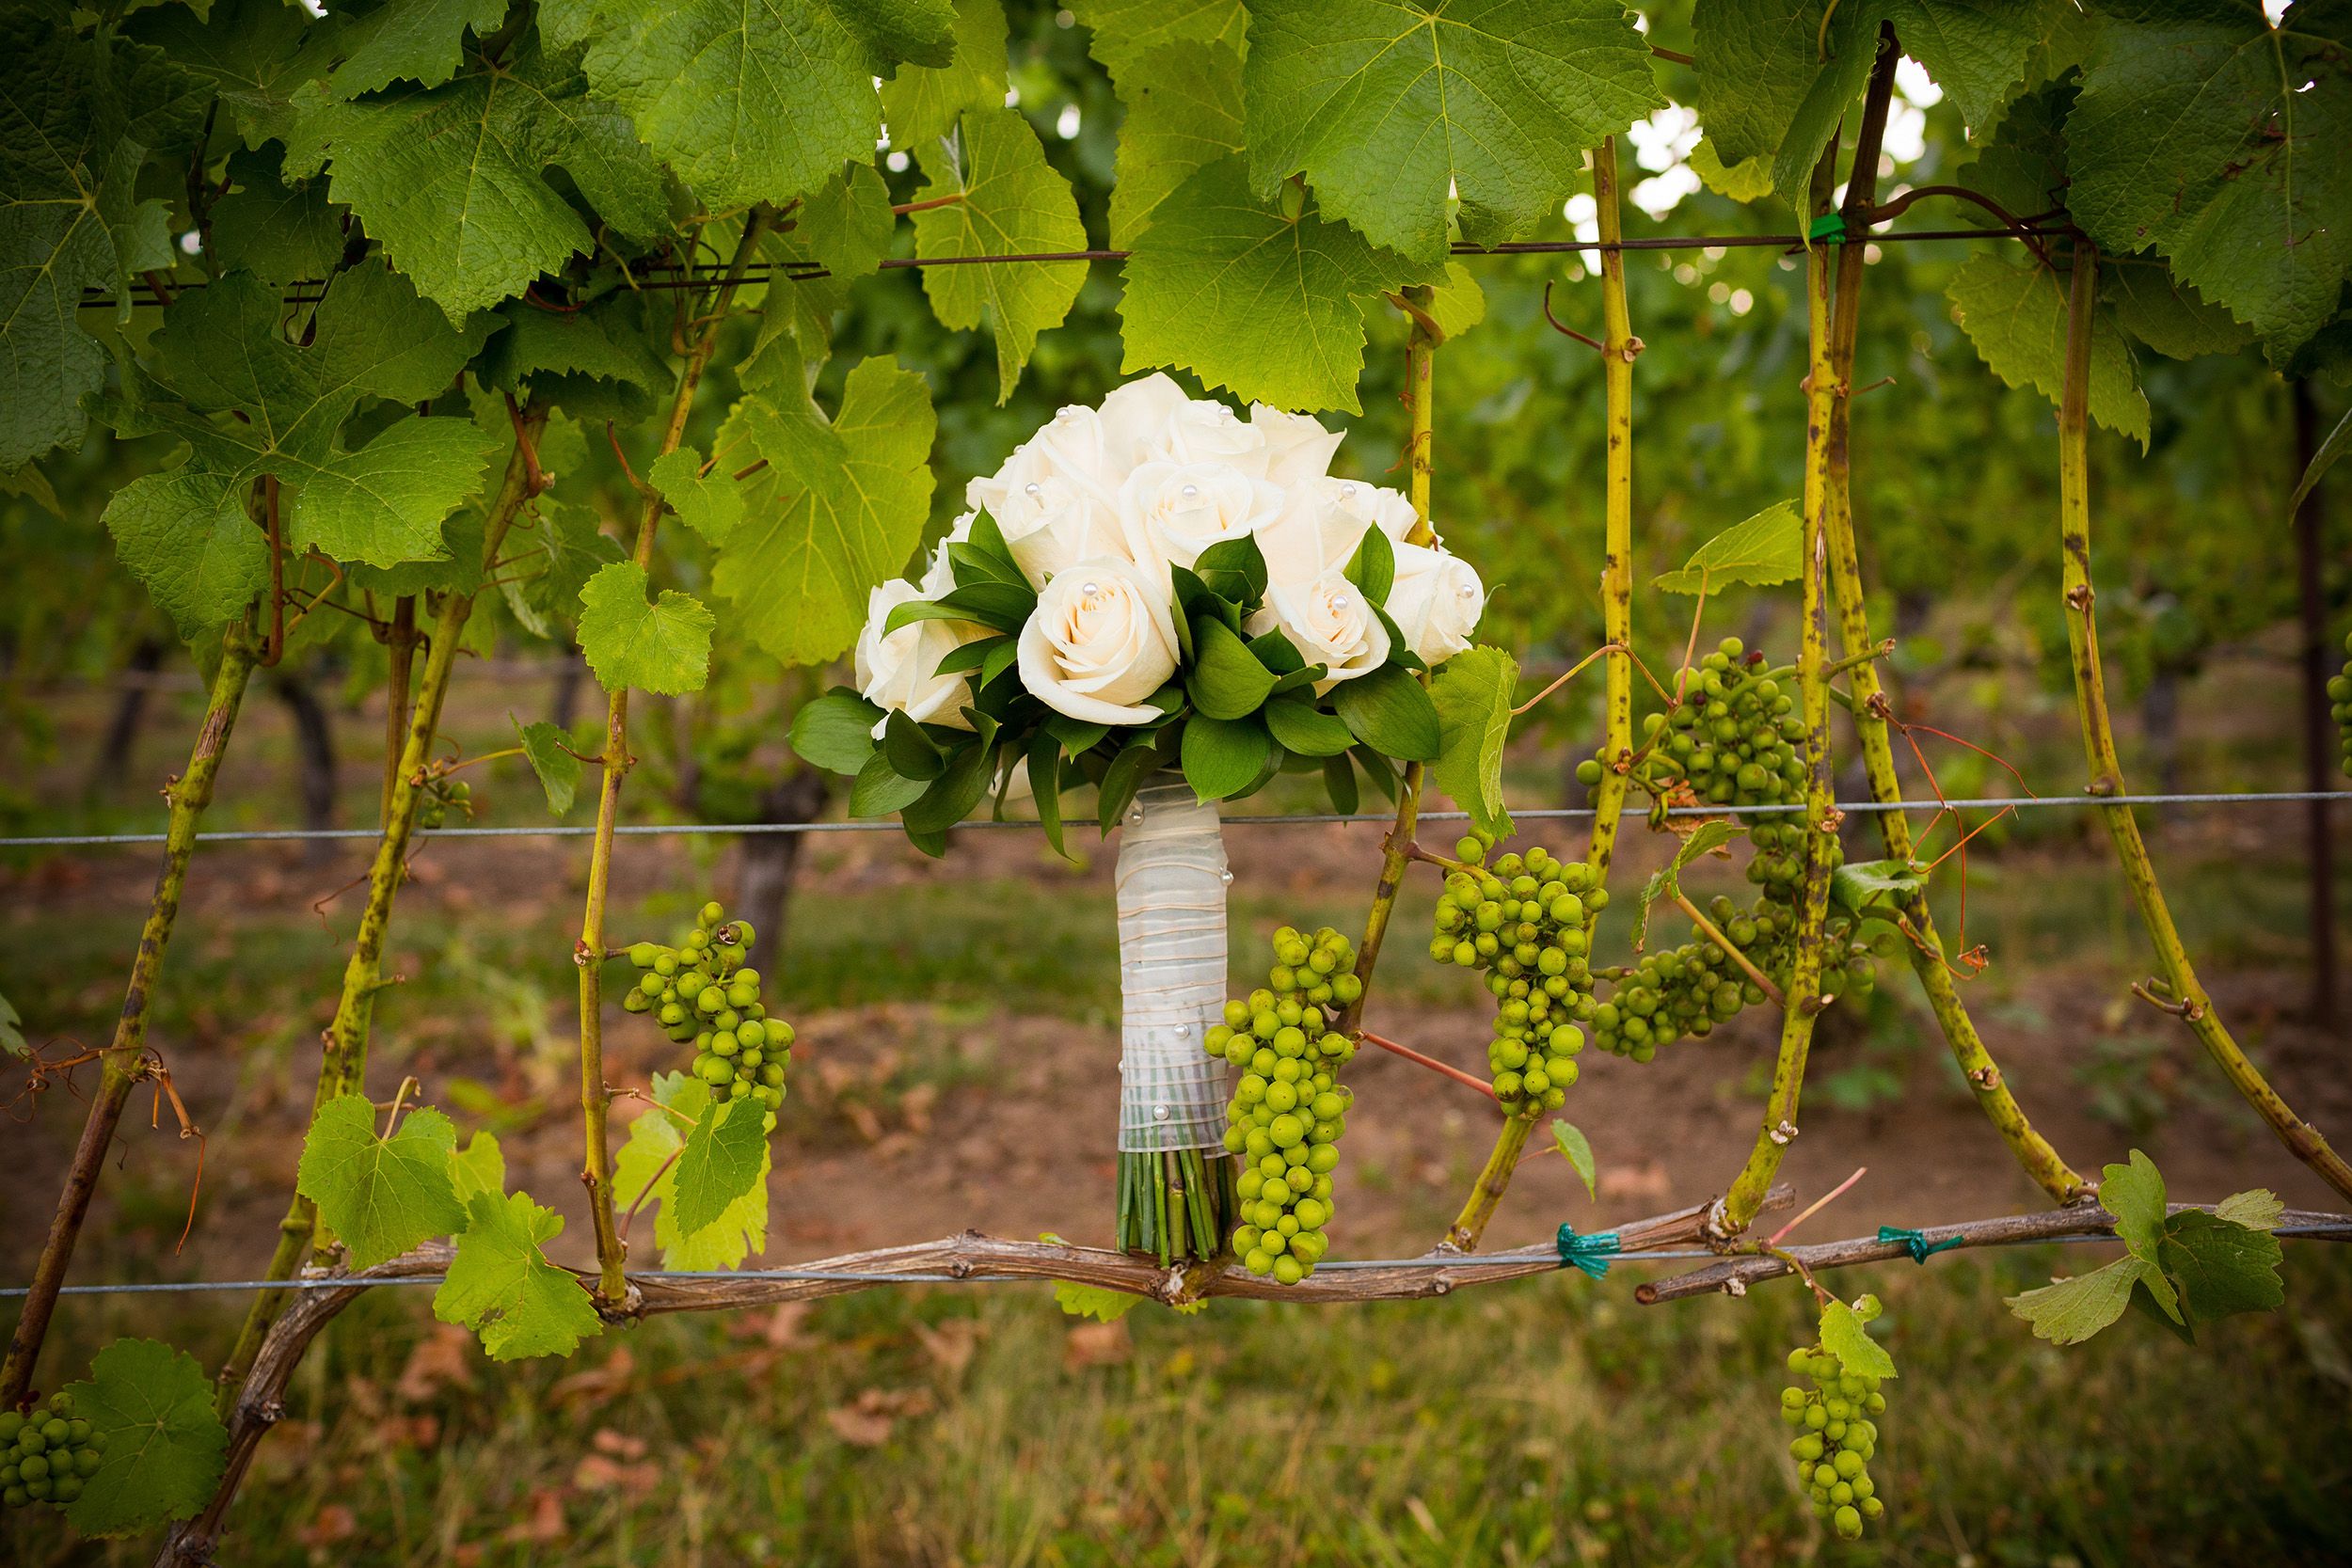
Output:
x=1464 y=1261
x=692 y=829
x=801 y=273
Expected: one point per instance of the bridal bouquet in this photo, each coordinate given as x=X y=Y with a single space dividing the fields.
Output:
x=1156 y=583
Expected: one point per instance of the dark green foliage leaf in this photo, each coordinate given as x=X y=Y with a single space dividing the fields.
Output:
x=1222 y=757
x=1126 y=31
x=165 y=1446
x=502 y=1286
x=380 y=1196
x=1473 y=693
x=1014 y=203
x=1044 y=766
x=2016 y=316
x=596 y=363
x=1184 y=111
x=1766 y=550
x=1389 y=109
x=912 y=754
x=186 y=536
x=880 y=789
x=724 y=1155
x=1390 y=712
x=2331 y=448
x=1225 y=680
x=953 y=794
x=1272 y=306
x=256 y=54
x=548 y=749
x=416 y=40
x=2219 y=1267
x=1301 y=727
x=1339 y=782
x=2165 y=313
x=662 y=646
x=280 y=233
x=1766 y=88
x=836 y=731
x=921 y=105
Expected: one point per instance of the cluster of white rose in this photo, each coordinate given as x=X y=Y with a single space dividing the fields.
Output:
x=1100 y=504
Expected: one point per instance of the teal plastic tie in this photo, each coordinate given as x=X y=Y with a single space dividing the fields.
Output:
x=1916 y=1242
x=1590 y=1253
x=1830 y=226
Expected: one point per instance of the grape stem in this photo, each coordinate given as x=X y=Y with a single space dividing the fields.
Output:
x=1709 y=929
x=1821 y=1203
x=1472 y=1079
x=1574 y=670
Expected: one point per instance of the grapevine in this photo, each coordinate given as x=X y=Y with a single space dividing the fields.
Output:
x=1521 y=919
x=1289 y=1107
x=48 y=1454
x=1836 y=1432
x=701 y=991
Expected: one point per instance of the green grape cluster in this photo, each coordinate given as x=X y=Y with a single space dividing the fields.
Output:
x=47 y=1455
x=1289 y=1108
x=1522 y=918
x=2340 y=705
x=700 y=990
x=1736 y=738
x=1691 y=988
x=1833 y=1411
x=442 y=797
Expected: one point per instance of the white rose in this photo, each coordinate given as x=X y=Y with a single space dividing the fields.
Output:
x=1100 y=641
x=1307 y=538
x=1435 y=602
x=1172 y=511
x=1056 y=500
x=1208 y=432
x=1298 y=445
x=896 y=672
x=939 y=577
x=1329 y=623
x=1370 y=506
x=1133 y=415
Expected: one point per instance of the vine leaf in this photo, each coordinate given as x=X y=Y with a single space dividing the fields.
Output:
x=2219 y=1267
x=843 y=226
x=1126 y=31
x=186 y=537
x=1093 y=1301
x=12 y=1030
x=2168 y=315
x=479 y=1168
x=2016 y=316
x=1472 y=692
x=711 y=506
x=753 y=100
x=662 y=646
x=451 y=179
x=555 y=549
x=1666 y=882
x=380 y=1196
x=1013 y=202
x=502 y=1286
x=1846 y=1336
x=1392 y=110
x=165 y=1446
x=547 y=748
x=1868 y=888
x=644 y=1171
x=2337 y=440
x=2213 y=136
x=2072 y=1310
x=724 y=1155
x=1249 y=296
x=1976 y=50
x=1773 y=79
x=1577 y=1149
x=1765 y=549
x=421 y=42
x=1184 y=112
x=255 y=55
x=279 y=232
x=921 y=103
x=597 y=363
x=2257 y=1208
x=838 y=509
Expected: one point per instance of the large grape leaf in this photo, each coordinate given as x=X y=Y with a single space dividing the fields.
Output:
x=724 y=1154
x=1762 y=551
x=2160 y=310
x=257 y=54
x=661 y=644
x=1472 y=692
x=1976 y=50
x=1125 y=31
x=2015 y=314
x=416 y=40
x=78 y=117
x=844 y=226
x=164 y=1444
x=1184 y=110
x=560 y=548
x=837 y=510
x=1247 y=297
x=753 y=100
x=502 y=1286
x=920 y=104
x=451 y=179
x=2217 y=138
x=2068 y=1311
x=380 y=1196
x=186 y=537
x=1392 y=109
x=279 y=232
x=223 y=378
x=645 y=1172
x=1013 y=202
x=594 y=363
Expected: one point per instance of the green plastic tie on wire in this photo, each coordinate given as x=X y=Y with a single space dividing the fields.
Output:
x=1590 y=1253
x=1916 y=1242
x=1830 y=226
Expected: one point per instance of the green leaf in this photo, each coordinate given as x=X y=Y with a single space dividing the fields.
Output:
x=1227 y=286
x=1766 y=550
x=1372 y=567
x=2214 y=136
x=418 y=41
x=1014 y=203
x=2016 y=316
x=1976 y=50
x=836 y=732
x=922 y=103
x=165 y=1446
x=1390 y=712
x=724 y=1156
x=256 y=54
x=2337 y=440
x=1221 y=757
x=2133 y=1194
x=645 y=1172
x=2218 y=1266
x=186 y=536
x=451 y=179
x=1301 y=727
x=838 y=509
x=2257 y=1208
x=1457 y=304
x=662 y=646
x=1093 y=1301
x=380 y=1196
x=280 y=233
x=1044 y=766
x=1578 y=1150
x=502 y=1286
x=567 y=545
x=880 y=789
x=1389 y=109
x=1126 y=31
x=1876 y=887
x=1225 y=680
x=1750 y=179
x=845 y=227
x=1666 y=882
x=12 y=1030
x=1845 y=1337
x=2072 y=1310
x=480 y=1167
x=1765 y=87
x=1117 y=791
x=1184 y=112
x=548 y=749
x=1339 y=782
x=1471 y=692
x=2168 y=315
x=594 y=363
x=951 y=796
x=712 y=506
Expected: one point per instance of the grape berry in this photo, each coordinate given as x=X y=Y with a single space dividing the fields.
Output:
x=48 y=1455
x=699 y=990
x=1522 y=919
x=1289 y=1108
x=1837 y=1433
x=2340 y=705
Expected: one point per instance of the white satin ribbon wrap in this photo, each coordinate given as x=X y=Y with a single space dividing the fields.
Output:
x=1173 y=879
